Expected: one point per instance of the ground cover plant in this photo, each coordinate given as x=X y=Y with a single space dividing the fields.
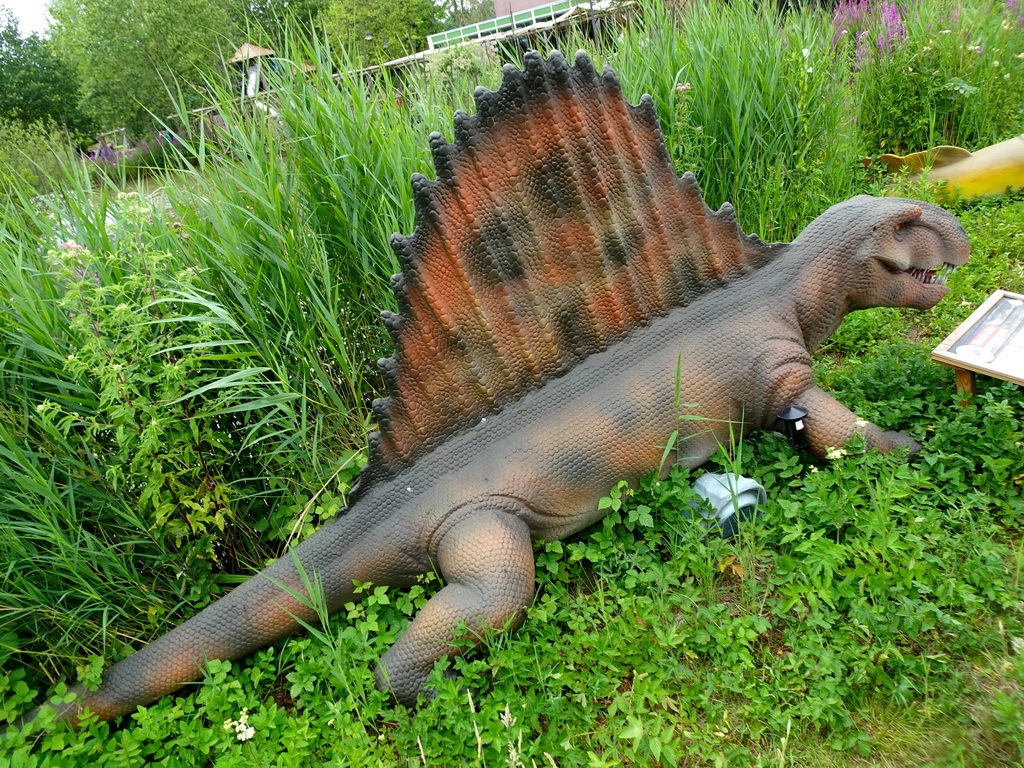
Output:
x=183 y=390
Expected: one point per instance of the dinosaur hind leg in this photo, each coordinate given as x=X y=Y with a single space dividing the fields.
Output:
x=487 y=562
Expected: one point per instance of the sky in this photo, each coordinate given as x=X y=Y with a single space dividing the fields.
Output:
x=31 y=15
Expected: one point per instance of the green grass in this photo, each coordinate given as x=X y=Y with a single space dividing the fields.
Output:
x=189 y=393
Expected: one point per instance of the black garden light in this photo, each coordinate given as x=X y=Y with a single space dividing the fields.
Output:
x=792 y=418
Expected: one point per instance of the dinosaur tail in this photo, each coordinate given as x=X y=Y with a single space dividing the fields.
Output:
x=253 y=615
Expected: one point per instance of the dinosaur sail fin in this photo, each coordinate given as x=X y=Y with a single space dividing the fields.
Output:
x=556 y=224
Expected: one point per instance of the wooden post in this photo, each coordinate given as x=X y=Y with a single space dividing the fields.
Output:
x=965 y=383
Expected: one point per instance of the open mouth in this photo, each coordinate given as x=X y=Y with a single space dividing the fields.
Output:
x=937 y=276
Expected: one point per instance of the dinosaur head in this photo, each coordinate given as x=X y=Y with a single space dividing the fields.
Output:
x=898 y=252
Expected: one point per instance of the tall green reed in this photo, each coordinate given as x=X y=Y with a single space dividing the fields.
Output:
x=751 y=103
x=313 y=194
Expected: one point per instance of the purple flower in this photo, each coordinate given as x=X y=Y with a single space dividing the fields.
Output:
x=894 y=29
x=860 y=20
x=863 y=53
x=82 y=272
x=849 y=17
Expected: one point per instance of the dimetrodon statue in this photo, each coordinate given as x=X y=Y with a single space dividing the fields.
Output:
x=563 y=291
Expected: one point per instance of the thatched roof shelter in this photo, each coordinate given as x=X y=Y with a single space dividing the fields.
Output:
x=249 y=51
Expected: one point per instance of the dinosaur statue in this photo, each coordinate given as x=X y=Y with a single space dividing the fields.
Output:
x=991 y=170
x=562 y=292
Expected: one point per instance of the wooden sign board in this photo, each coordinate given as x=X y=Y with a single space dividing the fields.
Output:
x=990 y=341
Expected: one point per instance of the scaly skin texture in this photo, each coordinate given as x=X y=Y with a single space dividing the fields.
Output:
x=558 y=280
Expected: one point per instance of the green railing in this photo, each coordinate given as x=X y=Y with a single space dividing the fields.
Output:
x=525 y=18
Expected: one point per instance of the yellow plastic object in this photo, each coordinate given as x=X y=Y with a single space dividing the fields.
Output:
x=989 y=171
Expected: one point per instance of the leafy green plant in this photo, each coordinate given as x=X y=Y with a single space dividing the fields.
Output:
x=29 y=154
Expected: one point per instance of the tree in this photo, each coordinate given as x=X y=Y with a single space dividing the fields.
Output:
x=379 y=30
x=459 y=13
x=35 y=84
x=130 y=53
x=267 y=22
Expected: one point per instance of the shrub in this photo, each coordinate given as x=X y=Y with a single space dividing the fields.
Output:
x=134 y=416
x=30 y=155
x=933 y=73
x=451 y=69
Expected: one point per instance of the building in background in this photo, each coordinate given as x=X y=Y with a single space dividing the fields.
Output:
x=522 y=17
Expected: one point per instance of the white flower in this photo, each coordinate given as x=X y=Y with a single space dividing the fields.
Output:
x=834 y=453
x=1006 y=76
x=1020 y=56
x=944 y=31
x=807 y=52
x=860 y=423
x=506 y=718
x=810 y=69
x=996 y=64
x=243 y=731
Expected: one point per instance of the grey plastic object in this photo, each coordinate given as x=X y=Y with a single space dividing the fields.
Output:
x=730 y=498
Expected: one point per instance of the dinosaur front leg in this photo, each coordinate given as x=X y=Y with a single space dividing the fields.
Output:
x=830 y=424
x=487 y=561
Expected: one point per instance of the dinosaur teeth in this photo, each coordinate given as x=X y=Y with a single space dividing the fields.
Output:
x=921 y=275
x=937 y=276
